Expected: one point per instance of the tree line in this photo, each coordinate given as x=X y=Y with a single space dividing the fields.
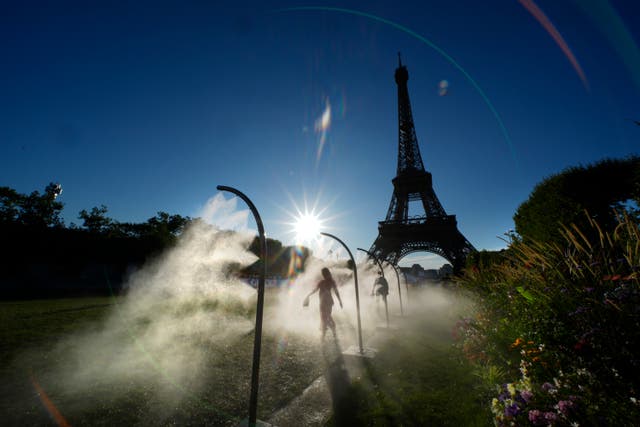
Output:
x=41 y=256
x=603 y=191
x=39 y=211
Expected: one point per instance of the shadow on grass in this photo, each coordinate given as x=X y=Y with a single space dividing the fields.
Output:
x=389 y=397
x=345 y=407
x=410 y=382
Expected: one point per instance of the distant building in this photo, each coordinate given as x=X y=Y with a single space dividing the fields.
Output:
x=417 y=270
x=416 y=275
x=430 y=274
x=445 y=271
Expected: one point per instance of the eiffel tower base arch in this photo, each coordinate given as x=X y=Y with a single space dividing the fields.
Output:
x=439 y=236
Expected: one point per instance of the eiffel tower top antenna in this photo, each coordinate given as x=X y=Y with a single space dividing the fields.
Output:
x=409 y=159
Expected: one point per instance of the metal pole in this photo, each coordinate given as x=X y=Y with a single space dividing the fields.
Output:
x=384 y=297
x=257 y=341
x=355 y=279
x=406 y=285
x=399 y=293
x=374 y=258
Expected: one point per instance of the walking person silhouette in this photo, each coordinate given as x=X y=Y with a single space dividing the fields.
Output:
x=324 y=288
x=381 y=288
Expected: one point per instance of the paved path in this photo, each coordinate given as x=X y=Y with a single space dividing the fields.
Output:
x=316 y=404
x=312 y=408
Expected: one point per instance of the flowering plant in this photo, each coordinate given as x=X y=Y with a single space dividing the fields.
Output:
x=568 y=318
x=524 y=402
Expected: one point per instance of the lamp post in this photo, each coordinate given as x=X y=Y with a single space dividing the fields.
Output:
x=355 y=279
x=384 y=297
x=257 y=341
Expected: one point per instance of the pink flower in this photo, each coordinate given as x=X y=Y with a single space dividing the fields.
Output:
x=564 y=406
x=536 y=418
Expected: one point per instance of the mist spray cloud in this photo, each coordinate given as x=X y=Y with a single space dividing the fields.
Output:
x=185 y=307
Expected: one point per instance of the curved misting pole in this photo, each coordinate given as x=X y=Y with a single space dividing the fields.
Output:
x=257 y=341
x=399 y=293
x=406 y=285
x=355 y=279
x=384 y=297
x=374 y=258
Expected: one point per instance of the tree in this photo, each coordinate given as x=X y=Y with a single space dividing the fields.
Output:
x=283 y=261
x=165 y=224
x=42 y=210
x=274 y=247
x=10 y=205
x=39 y=210
x=96 y=221
x=162 y=228
x=598 y=189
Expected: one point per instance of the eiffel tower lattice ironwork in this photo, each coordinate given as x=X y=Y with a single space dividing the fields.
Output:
x=435 y=231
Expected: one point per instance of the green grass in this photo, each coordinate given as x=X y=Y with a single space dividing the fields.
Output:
x=35 y=345
x=417 y=377
x=37 y=322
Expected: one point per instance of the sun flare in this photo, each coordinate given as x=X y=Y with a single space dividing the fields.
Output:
x=306 y=227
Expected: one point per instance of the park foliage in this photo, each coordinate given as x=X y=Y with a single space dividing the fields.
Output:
x=558 y=326
x=44 y=257
x=562 y=198
x=558 y=317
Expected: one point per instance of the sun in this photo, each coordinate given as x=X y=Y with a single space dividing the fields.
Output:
x=305 y=222
x=306 y=227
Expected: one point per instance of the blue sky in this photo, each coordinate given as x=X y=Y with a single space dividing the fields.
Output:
x=148 y=106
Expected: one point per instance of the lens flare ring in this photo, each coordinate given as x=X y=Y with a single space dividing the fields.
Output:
x=432 y=45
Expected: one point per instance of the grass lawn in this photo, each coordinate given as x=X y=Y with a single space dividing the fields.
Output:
x=35 y=352
x=416 y=379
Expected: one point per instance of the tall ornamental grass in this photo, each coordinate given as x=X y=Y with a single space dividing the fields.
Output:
x=558 y=328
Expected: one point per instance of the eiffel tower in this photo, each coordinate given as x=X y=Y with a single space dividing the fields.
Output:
x=435 y=231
